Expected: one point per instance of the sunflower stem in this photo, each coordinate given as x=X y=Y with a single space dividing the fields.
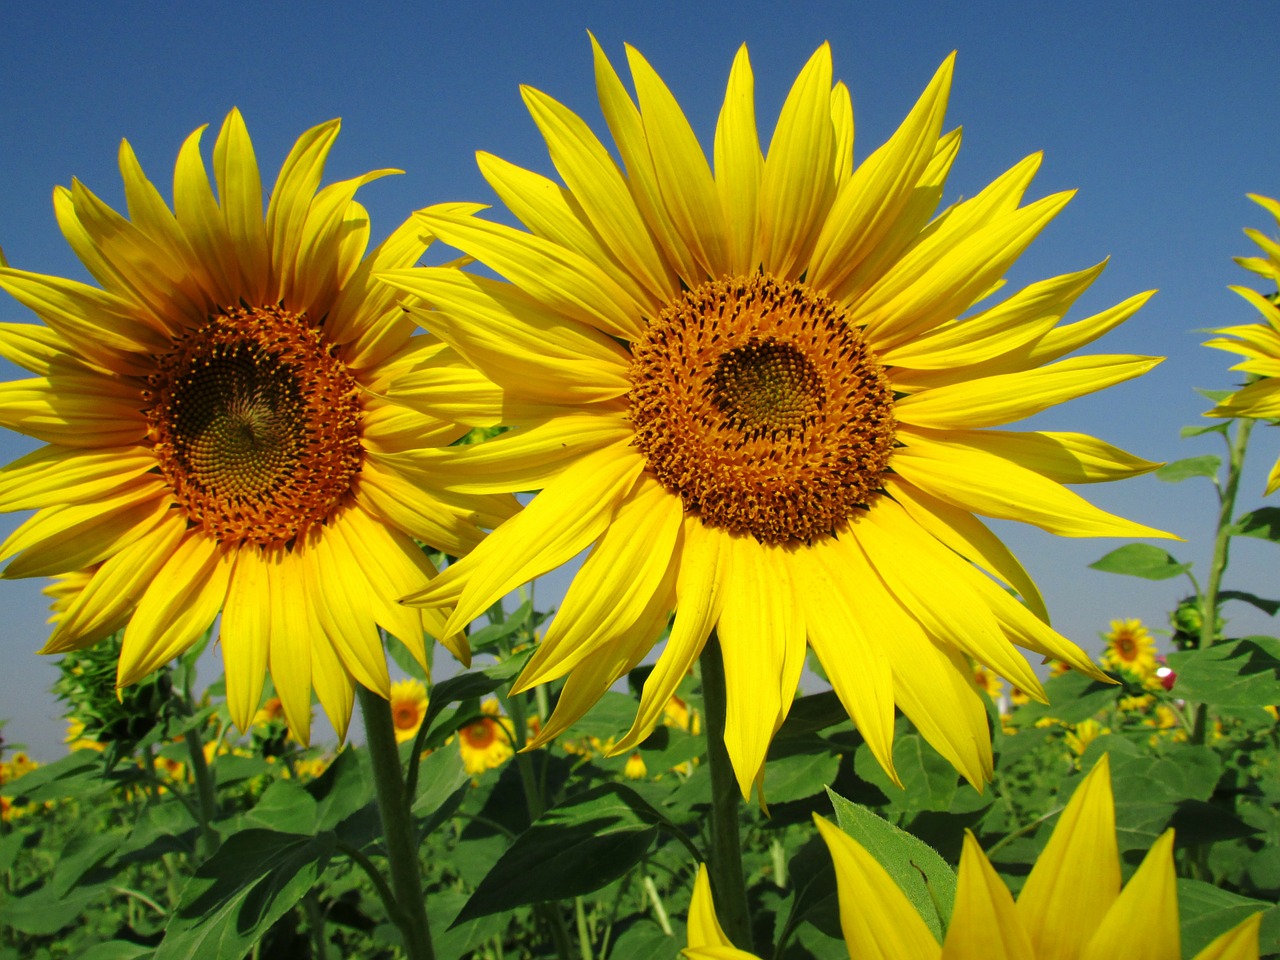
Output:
x=208 y=801
x=1221 y=557
x=397 y=825
x=725 y=868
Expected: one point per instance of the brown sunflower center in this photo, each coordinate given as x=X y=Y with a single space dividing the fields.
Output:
x=480 y=734
x=761 y=407
x=405 y=716
x=256 y=424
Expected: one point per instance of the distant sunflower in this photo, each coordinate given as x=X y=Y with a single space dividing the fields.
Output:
x=485 y=744
x=1258 y=343
x=1130 y=647
x=1071 y=906
x=218 y=416
x=749 y=395
x=408 y=708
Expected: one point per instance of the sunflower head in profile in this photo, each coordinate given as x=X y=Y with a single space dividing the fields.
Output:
x=762 y=391
x=1071 y=907
x=1258 y=343
x=221 y=422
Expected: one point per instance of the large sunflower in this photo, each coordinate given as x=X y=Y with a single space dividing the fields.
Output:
x=220 y=419
x=747 y=392
x=1071 y=907
x=1258 y=343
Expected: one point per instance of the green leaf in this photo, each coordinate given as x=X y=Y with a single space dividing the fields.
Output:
x=1269 y=607
x=1206 y=465
x=1217 y=396
x=75 y=775
x=440 y=775
x=80 y=855
x=345 y=788
x=1206 y=911
x=1263 y=523
x=1187 y=432
x=116 y=950
x=239 y=892
x=1073 y=697
x=928 y=781
x=472 y=685
x=43 y=913
x=573 y=849
x=1238 y=673
x=805 y=769
x=915 y=867
x=1141 y=560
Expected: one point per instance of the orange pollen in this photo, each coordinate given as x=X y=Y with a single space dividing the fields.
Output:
x=759 y=404
x=256 y=425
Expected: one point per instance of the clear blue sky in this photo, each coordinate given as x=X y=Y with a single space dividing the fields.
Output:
x=1162 y=120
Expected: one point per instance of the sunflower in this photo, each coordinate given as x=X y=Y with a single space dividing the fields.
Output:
x=218 y=416
x=1258 y=343
x=408 y=708
x=749 y=394
x=485 y=744
x=1072 y=906
x=1130 y=647
x=1082 y=734
x=988 y=682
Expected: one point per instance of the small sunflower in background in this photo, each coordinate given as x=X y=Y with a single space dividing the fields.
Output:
x=1258 y=343
x=408 y=708
x=1130 y=647
x=1071 y=906
x=988 y=682
x=761 y=391
x=220 y=423
x=485 y=744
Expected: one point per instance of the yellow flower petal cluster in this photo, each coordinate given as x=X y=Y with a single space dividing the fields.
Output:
x=408 y=708
x=1130 y=647
x=1072 y=906
x=1258 y=343
x=220 y=421
x=766 y=391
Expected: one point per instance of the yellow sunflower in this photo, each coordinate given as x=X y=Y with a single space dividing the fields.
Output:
x=408 y=708
x=749 y=394
x=1258 y=343
x=221 y=419
x=988 y=682
x=1130 y=647
x=485 y=744
x=1072 y=906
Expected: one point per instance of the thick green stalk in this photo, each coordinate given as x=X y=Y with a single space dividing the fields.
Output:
x=727 y=882
x=208 y=801
x=397 y=825
x=1221 y=556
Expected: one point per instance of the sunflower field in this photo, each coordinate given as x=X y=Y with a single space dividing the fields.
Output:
x=759 y=392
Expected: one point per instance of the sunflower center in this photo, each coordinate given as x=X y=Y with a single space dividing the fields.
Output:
x=405 y=716
x=256 y=424
x=758 y=404
x=480 y=734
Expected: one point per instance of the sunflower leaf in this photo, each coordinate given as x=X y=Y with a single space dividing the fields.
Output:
x=1141 y=560
x=1263 y=523
x=917 y=869
x=255 y=877
x=1206 y=465
x=1238 y=673
x=573 y=849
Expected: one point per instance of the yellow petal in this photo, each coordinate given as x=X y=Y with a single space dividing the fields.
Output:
x=984 y=922
x=703 y=569
x=624 y=570
x=799 y=184
x=244 y=634
x=344 y=611
x=762 y=641
x=201 y=221
x=291 y=199
x=1238 y=943
x=290 y=635
x=334 y=687
x=240 y=188
x=975 y=480
x=180 y=603
x=1142 y=924
x=1076 y=879
x=739 y=166
x=688 y=188
x=878 y=921
x=52 y=474
x=704 y=928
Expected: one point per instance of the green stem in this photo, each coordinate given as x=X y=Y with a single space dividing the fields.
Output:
x=397 y=825
x=1221 y=556
x=204 y=791
x=315 y=920
x=725 y=868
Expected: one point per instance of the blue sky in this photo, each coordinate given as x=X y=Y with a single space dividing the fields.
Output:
x=1162 y=121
